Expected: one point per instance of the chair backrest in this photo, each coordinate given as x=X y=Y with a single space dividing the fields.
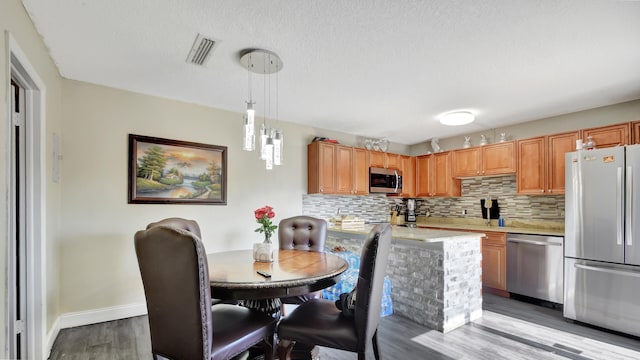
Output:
x=175 y=275
x=302 y=233
x=180 y=223
x=373 y=267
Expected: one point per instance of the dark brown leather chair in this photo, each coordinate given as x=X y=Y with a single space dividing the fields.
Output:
x=319 y=322
x=304 y=233
x=182 y=322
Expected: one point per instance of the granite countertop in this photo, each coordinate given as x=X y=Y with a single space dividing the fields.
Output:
x=535 y=227
x=437 y=229
x=406 y=233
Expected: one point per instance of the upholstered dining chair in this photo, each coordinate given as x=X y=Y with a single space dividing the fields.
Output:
x=320 y=322
x=305 y=233
x=182 y=322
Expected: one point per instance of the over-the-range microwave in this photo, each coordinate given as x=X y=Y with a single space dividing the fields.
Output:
x=385 y=181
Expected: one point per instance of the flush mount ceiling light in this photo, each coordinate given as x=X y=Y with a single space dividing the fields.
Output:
x=457 y=118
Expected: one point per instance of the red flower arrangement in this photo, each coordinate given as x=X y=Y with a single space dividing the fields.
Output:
x=263 y=217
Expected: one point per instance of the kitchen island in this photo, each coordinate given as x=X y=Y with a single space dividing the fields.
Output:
x=435 y=274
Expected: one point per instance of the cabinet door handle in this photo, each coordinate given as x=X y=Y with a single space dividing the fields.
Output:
x=541 y=190
x=549 y=190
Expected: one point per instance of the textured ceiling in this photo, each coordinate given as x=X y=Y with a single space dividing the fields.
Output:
x=376 y=68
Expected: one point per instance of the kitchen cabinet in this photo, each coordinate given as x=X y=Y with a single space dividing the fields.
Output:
x=494 y=263
x=320 y=168
x=408 y=168
x=376 y=159
x=423 y=175
x=434 y=176
x=541 y=163
x=344 y=169
x=636 y=132
x=393 y=161
x=337 y=169
x=608 y=136
x=360 y=172
x=495 y=159
x=384 y=160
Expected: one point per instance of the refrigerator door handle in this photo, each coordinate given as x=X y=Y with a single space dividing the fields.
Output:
x=619 y=207
x=606 y=270
x=628 y=200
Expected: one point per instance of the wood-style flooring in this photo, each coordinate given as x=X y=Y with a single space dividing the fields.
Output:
x=509 y=329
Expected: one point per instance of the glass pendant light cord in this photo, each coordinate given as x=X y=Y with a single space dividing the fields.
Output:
x=249 y=79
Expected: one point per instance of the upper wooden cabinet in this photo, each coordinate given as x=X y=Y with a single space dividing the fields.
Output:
x=408 y=176
x=320 y=168
x=434 y=176
x=393 y=161
x=557 y=146
x=541 y=163
x=361 y=172
x=608 y=136
x=337 y=169
x=495 y=159
x=376 y=159
x=423 y=175
x=384 y=160
x=636 y=132
x=344 y=169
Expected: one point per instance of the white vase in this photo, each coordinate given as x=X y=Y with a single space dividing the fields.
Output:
x=263 y=252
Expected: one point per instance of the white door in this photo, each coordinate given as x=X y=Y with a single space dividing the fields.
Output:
x=18 y=226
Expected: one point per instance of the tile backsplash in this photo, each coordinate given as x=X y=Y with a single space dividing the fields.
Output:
x=502 y=188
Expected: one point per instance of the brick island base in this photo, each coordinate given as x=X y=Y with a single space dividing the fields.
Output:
x=435 y=274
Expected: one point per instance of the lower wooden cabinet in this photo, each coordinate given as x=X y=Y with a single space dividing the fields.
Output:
x=494 y=263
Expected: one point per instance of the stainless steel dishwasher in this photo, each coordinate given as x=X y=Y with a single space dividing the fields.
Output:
x=535 y=266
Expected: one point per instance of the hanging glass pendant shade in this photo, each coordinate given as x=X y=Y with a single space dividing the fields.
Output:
x=278 y=142
x=249 y=137
x=271 y=140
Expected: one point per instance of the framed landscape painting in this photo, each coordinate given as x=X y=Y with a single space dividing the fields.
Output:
x=163 y=171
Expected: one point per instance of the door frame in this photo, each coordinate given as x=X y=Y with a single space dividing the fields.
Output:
x=20 y=68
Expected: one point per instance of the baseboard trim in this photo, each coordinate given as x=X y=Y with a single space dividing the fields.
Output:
x=81 y=318
x=51 y=338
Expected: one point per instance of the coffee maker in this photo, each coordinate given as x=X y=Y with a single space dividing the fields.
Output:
x=410 y=216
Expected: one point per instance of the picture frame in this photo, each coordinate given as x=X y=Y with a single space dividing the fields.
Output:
x=164 y=171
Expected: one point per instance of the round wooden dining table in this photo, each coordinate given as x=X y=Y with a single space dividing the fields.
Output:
x=234 y=275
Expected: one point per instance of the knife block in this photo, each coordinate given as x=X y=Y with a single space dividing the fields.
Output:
x=396 y=219
x=494 y=211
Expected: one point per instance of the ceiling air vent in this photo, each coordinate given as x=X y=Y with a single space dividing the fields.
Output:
x=201 y=50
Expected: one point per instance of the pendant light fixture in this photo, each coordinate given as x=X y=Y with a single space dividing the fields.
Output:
x=271 y=139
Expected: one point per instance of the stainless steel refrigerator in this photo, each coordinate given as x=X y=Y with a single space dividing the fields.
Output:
x=602 y=241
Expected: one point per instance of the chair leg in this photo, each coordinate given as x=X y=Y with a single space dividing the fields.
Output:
x=376 y=352
x=269 y=347
x=284 y=349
